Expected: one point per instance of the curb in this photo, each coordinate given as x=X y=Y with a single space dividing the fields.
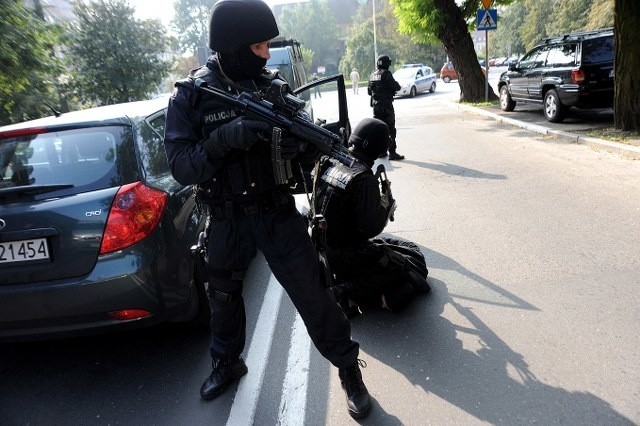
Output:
x=627 y=151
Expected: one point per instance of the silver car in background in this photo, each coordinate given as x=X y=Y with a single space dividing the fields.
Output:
x=415 y=80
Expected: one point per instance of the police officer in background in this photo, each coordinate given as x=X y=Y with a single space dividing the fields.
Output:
x=382 y=88
x=212 y=145
x=368 y=272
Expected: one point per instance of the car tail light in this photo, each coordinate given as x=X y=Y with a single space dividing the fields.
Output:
x=577 y=76
x=129 y=314
x=135 y=213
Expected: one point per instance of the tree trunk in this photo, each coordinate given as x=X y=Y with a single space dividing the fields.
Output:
x=457 y=41
x=627 y=63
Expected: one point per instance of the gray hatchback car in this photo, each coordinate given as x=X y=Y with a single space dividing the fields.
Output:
x=95 y=234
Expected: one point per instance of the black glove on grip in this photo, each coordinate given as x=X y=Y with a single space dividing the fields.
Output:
x=240 y=133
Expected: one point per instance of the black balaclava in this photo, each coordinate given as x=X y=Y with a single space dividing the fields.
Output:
x=242 y=64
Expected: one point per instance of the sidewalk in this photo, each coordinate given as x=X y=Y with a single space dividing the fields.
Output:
x=531 y=118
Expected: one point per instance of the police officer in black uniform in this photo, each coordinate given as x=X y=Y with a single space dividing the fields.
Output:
x=212 y=145
x=382 y=88
x=369 y=272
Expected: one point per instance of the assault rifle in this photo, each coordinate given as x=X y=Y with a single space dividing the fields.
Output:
x=283 y=111
x=385 y=189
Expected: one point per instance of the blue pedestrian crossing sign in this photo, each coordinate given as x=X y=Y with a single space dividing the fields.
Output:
x=487 y=19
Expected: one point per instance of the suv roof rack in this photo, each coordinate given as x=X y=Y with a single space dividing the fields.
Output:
x=575 y=36
x=283 y=42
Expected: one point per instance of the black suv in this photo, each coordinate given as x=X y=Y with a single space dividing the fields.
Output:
x=570 y=70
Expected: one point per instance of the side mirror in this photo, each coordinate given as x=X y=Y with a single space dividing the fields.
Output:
x=513 y=66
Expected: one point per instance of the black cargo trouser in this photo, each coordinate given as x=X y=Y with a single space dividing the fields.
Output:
x=383 y=110
x=281 y=235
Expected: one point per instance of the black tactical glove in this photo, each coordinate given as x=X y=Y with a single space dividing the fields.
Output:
x=290 y=147
x=240 y=133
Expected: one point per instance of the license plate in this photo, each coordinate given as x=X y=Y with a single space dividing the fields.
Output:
x=25 y=250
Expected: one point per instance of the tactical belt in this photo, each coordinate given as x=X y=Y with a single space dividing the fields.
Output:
x=238 y=209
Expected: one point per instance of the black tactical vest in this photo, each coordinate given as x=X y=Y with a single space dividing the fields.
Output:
x=247 y=175
x=380 y=91
x=331 y=195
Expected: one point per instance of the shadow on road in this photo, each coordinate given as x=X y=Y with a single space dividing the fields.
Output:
x=455 y=170
x=494 y=383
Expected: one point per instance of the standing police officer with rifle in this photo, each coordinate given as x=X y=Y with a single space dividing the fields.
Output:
x=382 y=88
x=215 y=146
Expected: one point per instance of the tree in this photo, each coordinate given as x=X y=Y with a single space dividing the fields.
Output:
x=627 y=63
x=115 y=57
x=534 y=26
x=27 y=66
x=314 y=25
x=450 y=23
x=191 y=23
x=400 y=47
x=504 y=41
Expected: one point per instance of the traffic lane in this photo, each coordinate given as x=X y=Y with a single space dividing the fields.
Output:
x=148 y=374
x=523 y=256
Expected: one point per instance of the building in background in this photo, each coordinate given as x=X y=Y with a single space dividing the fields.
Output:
x=54 y=10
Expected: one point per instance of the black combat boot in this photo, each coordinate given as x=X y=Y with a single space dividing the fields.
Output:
x=395 y=156
x=224 y=372
x=358 y=401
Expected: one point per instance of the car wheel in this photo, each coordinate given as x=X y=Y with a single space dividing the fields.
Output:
x=413 y=92
x=554 y=111
x=506 y=102
x=446 y=79
x=433 y=87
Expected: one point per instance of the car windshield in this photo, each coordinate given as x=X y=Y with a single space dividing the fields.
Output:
x=405 y=73
x=85 y=159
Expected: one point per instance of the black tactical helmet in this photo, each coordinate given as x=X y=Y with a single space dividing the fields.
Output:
x=383 y=61
x=237 y=23
x=371 y=137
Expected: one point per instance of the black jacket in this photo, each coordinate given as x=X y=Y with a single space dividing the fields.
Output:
x=349 y=199
x=382 y=86
x=241 y=175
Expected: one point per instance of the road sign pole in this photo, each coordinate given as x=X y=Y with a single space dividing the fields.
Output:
x=486 y=64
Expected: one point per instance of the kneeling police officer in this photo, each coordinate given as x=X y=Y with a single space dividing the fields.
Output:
x=365 y=271
x=214 y=146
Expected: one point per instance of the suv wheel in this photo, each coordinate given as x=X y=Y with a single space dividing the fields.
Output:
x=446 y=79
x=506 y=103
x=554 y=111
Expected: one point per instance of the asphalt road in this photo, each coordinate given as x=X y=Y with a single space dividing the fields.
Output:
x=532 y=247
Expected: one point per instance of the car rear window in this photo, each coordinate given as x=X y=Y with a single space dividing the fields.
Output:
x=88 y=158
x=597 y=50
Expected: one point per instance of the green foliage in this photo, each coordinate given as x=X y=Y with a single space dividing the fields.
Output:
x=314 y=25
x=28 y=66
x=191 y=23
x=502 y=42
x=114 y=57
x=401 y=48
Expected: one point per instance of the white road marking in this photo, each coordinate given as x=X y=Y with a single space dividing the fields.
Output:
x=246 y=399
x=294 y=393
